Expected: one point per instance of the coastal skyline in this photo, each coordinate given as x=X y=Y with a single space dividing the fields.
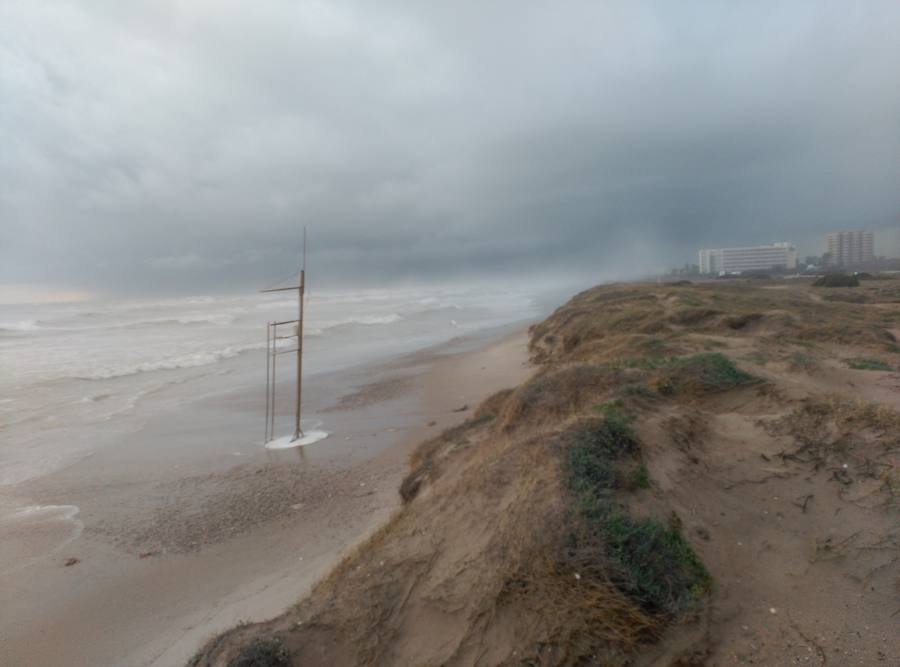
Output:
x=182 y=146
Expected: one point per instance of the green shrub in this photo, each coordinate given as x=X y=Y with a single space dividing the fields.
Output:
x=635 y=389
x=646 y=363
x=652 y=563
x=665 y=387
x=837 y=280
x=865 y=364
x=262 y=653
x=657 y=565
x=609 y=407
x=639 y=477
x=591 y=460
x=705 y=371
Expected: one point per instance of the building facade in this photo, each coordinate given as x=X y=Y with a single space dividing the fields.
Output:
x=777 y=256
x=850 y=248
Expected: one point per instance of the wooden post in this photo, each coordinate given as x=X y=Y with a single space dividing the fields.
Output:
x=301 y=289
x=268 y=375
x=298 y=431
x=274 y=364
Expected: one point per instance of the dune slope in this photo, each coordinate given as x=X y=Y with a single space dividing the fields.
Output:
x=695 y=474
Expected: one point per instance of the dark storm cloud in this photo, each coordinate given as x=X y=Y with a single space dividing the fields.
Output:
x=148 y=144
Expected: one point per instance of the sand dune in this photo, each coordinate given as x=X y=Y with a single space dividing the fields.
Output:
x=696 y=474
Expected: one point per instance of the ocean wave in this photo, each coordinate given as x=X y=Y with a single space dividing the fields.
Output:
x=218 y=319
x=208 y=357
x=193 y=360
x=375 y=319
x=24 y=325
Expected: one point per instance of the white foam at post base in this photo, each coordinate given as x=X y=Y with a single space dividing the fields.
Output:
x=288 y=441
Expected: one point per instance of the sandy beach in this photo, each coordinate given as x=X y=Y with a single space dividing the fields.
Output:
x=140 y=553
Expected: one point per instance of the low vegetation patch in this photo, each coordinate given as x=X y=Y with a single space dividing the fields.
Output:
x=262 y=652
x=639 y=478
x=837 y=280
x=693 y=316
x=738 y=322
x=866 y=364
x=650 y=561
x=657 y=564
x=702 y=373
x=636 y=389
x=591 y=460
x=557 y=393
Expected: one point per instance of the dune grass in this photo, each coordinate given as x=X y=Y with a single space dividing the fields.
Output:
x=651 y=562
x=837 y=280
x=262 y=652
x=867 y=364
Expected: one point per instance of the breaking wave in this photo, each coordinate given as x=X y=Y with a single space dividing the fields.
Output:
x=193 y=360
x=24 y=325
x=207 y=357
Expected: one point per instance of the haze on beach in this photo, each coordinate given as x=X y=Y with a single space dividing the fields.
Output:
x=180 y=145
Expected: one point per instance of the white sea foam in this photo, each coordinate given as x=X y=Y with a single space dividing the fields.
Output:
x=377 y=319
x=193 y=360
x=219 y=319
x=288 y=442
x=42 y=513
x=24 y=325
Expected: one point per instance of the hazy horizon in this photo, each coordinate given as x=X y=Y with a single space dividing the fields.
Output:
x=156 y=147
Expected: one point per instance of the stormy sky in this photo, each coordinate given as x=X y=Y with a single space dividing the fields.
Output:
x=154 y=144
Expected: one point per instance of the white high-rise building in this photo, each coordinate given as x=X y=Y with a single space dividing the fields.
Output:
x=850 y=248
x=777 y=256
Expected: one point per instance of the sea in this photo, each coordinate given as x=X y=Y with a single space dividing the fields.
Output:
x=79 y=376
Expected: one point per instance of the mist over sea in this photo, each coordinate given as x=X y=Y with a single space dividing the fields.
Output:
x=75 y=377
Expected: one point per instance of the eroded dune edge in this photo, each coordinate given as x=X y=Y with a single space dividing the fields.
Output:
x=695 y=473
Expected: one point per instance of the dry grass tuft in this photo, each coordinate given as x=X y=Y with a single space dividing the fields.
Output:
x=691 y=317
x=613 y=322
x=425 y=460
x=702 y=373
x=556 y=394
x=582 y=618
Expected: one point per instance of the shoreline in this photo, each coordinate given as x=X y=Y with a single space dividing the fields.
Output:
x=139 y=595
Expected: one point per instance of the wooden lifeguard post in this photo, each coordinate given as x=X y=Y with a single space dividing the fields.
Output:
x=272 y=338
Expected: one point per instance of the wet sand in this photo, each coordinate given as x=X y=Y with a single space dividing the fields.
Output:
x=179 y=535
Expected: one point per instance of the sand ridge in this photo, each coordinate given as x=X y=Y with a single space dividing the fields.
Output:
x=765 y=448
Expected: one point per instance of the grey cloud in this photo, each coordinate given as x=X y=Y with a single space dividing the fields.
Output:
x=165 y=144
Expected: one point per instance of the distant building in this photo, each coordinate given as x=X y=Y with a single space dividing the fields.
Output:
x=777 y=256
x=851 y=248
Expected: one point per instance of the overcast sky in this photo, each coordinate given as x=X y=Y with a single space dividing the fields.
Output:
x=153 y=143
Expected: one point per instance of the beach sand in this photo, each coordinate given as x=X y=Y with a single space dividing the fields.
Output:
x=175 y=536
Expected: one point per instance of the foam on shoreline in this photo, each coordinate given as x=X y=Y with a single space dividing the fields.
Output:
x=287 y=441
